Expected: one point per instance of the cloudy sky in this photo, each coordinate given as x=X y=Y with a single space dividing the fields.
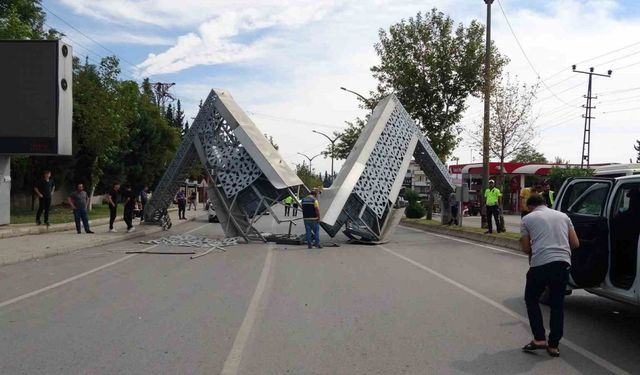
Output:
x=284 y=60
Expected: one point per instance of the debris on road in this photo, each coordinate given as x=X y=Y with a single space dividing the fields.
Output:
x=190 y=240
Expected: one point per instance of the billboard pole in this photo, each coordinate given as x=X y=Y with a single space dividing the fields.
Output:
x=5 y=189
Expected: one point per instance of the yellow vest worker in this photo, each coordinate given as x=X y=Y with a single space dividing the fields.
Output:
x=493 y=201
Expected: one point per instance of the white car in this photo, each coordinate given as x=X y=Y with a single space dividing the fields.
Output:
x=605 y=213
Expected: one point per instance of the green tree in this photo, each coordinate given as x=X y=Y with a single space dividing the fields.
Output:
x=433 y=66
x=557 y=175
x=512 y=125
x=637 y=148
x=307 y=176
x=415 y=209
x=24 y=19
x=528 y=154
x=347 y=139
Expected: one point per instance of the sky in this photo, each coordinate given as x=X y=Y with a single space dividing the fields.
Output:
x=284 y=61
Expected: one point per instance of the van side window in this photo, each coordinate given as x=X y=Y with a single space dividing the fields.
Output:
x=586 y=198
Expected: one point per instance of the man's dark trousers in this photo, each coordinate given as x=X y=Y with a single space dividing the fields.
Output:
x=44 y=204
x=112 y=215
x=555 y=276
x=493 y=211
x=181 y=209
x=312 y=229
x=80 y=214
x=128 y=216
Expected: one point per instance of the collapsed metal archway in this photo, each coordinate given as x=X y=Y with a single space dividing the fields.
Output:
x=249 y=176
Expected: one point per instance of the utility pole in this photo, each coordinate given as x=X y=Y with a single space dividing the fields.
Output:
x=333 y=145
x=161 y=90
x=586 y=136
x=485 y=130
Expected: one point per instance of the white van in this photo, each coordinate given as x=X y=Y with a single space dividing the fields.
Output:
x=606 y=215
x=618 y=170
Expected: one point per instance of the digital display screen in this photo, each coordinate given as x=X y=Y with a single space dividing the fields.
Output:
x=29 y=96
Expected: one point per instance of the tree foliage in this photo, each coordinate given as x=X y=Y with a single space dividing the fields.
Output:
x=433 y=66
x=557 y=175
x=511 y=125
x=637 y=148
x=307 y=176
x=347 y=139
x=528 y=154
x=24 y=19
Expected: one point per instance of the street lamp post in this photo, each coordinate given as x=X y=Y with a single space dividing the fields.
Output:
x=333 y=145
x=367 y=101
x=310 y=159
x=487 y=93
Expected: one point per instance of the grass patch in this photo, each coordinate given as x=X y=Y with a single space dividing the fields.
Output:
x=60 y=214
x=510 y=235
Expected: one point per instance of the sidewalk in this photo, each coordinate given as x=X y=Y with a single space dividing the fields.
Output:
x=64 y=238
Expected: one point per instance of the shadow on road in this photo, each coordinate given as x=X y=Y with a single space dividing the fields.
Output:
x=506 y=362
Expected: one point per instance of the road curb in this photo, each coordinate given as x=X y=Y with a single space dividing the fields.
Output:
x=46 y=253
x=479 y=237
x=19 y=230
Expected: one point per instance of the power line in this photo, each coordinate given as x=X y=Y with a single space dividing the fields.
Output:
x=621 y=110
x=86 y=36
x=296 y=121
x=527 y=57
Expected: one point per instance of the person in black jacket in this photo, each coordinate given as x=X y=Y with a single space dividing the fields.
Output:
x=43 y=189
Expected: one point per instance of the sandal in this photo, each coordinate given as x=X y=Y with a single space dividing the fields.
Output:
x=555 y=353
x=533 y=346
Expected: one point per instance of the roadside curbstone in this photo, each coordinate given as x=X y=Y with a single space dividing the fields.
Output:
x=508 y=243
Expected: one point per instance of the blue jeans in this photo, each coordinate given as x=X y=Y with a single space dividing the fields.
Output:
x=312 y=226
x=81 y=214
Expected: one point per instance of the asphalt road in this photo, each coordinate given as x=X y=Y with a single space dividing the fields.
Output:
x=422 y=304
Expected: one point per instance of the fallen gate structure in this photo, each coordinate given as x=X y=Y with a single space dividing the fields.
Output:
x=249 y=176
x=364 y=195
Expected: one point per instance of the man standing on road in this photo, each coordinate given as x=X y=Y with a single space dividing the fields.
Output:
x=112 y=201
x=493 y=202
x=525 y=193
x=129 y=200
x=453 y=205
x=549 y=237
x=78 y=201
x=43 y=190
x=548 y=194
x=311 y=216
x=144 y=198
x=181 y=199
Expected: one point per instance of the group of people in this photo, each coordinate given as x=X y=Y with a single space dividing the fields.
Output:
x=79 y=202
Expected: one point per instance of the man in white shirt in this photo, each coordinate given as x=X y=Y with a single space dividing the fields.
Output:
x=549 y=237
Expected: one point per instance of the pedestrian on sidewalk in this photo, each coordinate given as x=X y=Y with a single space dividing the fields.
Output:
x=112 y=201
x=493 y=202
x=295 y=206
x=453 y=205
x=192 y=200
x=43 y=189
x=181 y=199
x=311 y=217
x=78 y=201
x=548 y=236
x=129 y=199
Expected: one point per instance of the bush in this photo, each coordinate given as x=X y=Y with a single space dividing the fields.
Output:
x=415 y=211
x=557 y=175
x=411 y=196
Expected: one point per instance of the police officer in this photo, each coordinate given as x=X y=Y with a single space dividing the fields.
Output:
x=493 y=202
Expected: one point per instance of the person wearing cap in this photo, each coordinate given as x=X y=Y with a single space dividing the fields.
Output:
x=493 y=202
x=548 y=194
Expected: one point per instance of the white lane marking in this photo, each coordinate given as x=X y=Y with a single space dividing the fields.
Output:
x=232 y=363
x=575 y=347
x=467 y=242
x=78 y=276
x=68 y=280
x=195 y=229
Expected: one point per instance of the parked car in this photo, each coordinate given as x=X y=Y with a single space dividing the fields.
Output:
x=605 y=213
